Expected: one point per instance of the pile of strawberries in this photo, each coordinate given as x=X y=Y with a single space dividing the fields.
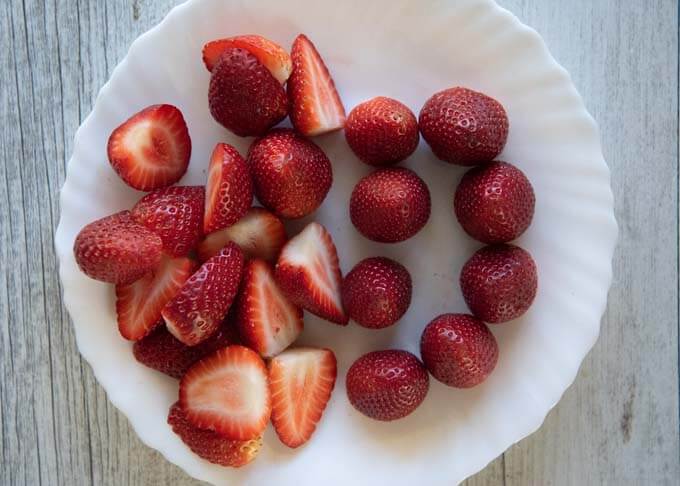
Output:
x=212 y=291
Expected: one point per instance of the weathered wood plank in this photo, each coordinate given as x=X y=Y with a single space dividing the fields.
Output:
x=618 y=424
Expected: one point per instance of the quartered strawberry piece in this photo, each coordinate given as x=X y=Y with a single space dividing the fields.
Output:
x=268 y=322
x=210 y=445
x=270 y=54
x=259 y=233
x=308 y=272
x=228 y=392
x=316 y=107
x=175 y=214
x=229 y=192
x=301 y=381
x=139 y=304
x=151 y=149
x=201 y=304
x=163 y=352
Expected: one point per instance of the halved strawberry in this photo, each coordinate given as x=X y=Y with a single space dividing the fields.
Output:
x=175 y=214
x=140 y=303
x=259 y=233
x=308 y=272
x=228 y=392
x=316 y=107
x=269 y=53
x=152 y=148
x=205 y=298
x=210 y=445
x=301 y=381
x=267 y=321
x=229 y=191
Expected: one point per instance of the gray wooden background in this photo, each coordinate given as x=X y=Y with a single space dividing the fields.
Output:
x=618 y=424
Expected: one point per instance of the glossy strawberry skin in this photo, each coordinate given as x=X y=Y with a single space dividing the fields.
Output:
x=463 y=126
x=387 y=385
x=175 y=214
x=243 y=95
x=292 y=175
x=203 y=301
x=163 y=352
x=210 y=445
x=458 y=350
x=382 y=131
x=377 y=292
x=499 y=283
x=390 y=205
x=494 y=203
x=116 y=249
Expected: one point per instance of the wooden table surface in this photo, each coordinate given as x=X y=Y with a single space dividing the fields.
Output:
x=618 y=423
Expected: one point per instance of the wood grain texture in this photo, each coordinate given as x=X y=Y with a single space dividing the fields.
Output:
x=618 y=424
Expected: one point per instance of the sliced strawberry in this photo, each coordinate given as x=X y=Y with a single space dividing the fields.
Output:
x=272 y=55
x=229 y=192
x=308 y=272
x=151 y=149
x=175 y=214
x=228 y=392
x=201 y=304
x=316 y=107
x=210 y=445
x=259 y=233
x=163 y=352
x=301 y=381
x=267 y=321
x=140 y=303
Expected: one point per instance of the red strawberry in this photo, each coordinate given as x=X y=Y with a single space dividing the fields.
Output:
x=494 y=203
x=270 y=54
x=301 y=381
x=200 y=305
x=387 y=385
x=292 y=175
x=259 y=233
x=377 y=292
x=459 y=350
x=161 y=351
x=267 y=321
x=243 y=96
x=139 y=304
x=464 y=127
x=315 y=104
x=499 y=283
x=175 y=214
x=151 y=150
x=211 y=446
x=229 y=192
x=390 y=205
x=382 y=131
x=308 y=272
x=228 y=392
x=117 y=250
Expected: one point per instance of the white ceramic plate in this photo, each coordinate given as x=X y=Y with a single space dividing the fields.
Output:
x=407 y=50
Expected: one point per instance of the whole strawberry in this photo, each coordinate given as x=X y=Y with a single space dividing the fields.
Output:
x=494 y=203
x=464 y=127
x=116 y=249
x=175 y=214
x=499 y=283
x=377 y=292
x=458 y=350
x=382 y=131
x=387 y=385
x=291 y=173
x=243 y=96
x=390 y=205
x=210 y=445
